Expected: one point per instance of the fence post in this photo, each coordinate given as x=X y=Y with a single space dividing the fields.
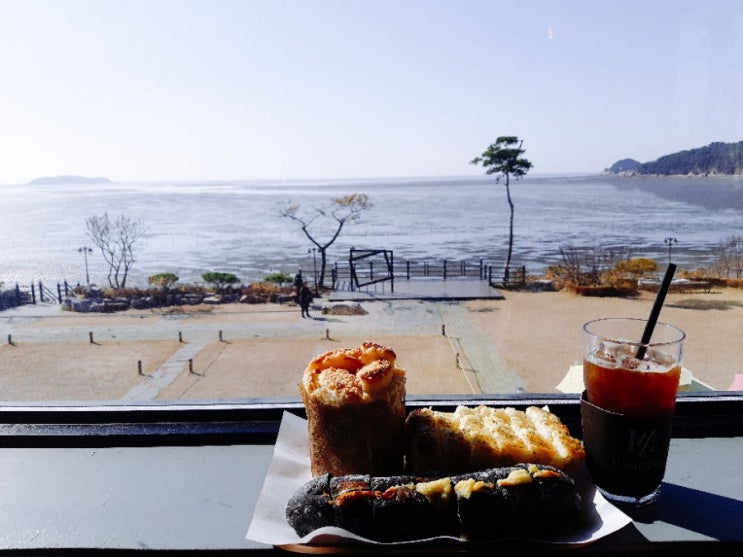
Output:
x=17 y=294
x=41 y=292
x=59 y=292
x=33 y=293
x=392 y=272
x=444 y=269
x=407 y=269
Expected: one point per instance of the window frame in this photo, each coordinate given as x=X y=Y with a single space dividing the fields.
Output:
x=711 y=414
x=256 y=422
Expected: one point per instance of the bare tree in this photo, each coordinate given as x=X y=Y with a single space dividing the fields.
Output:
x=729 y=257
x=572 y=262
x=115 y=237
x=586 y=265
x=332 y=217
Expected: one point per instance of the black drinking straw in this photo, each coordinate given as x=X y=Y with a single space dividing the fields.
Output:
x=655 y=312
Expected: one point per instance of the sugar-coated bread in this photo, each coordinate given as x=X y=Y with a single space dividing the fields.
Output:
x=355 y=403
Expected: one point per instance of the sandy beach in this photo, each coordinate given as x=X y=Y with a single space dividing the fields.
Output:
x=248 y=351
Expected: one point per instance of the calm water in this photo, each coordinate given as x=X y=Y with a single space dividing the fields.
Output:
x=235 y=227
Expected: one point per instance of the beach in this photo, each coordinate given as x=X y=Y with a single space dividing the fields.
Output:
x=525 y=342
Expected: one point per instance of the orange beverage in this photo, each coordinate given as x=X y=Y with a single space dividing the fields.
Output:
x=628 y=406
x=634 y=392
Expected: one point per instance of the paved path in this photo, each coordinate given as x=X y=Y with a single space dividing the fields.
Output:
x=486 y=371
x=423 y=307
x=150 y=388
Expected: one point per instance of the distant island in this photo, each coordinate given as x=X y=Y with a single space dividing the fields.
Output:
x=716 y=159
x=70 y=180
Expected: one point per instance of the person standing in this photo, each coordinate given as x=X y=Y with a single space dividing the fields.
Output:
x=298 y=283
x=305 y=299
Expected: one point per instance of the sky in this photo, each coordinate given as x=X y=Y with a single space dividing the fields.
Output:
x=141 y=90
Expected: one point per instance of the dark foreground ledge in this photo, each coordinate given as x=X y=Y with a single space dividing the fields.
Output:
x=183 y=479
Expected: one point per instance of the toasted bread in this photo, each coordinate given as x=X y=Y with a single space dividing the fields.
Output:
x=470 y=439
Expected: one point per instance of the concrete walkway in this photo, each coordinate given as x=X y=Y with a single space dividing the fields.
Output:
x=417 y=307
x=150 y=388
x=486 y=371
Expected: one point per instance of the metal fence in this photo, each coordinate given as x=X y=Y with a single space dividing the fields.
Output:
x=373 y=270
x=33 y=293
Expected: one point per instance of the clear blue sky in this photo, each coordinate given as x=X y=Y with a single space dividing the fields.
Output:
x=256 y=89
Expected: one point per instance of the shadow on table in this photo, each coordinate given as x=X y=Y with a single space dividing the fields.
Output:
x=711 y=515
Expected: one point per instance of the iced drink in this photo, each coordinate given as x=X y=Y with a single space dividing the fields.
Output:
x=631 y=387
x=628 y=406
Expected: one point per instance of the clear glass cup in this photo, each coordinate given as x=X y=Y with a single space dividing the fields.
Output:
x=628 y=405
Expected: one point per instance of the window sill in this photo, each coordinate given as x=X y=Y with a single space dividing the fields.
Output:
x=185 y=478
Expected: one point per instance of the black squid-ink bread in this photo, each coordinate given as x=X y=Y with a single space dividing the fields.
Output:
x=526 y=500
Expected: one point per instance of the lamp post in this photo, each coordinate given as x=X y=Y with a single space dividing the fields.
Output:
x=669 y=242
x=314 y=266
x=85 y=250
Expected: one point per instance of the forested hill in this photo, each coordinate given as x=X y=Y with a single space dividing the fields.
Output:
x=714 y=159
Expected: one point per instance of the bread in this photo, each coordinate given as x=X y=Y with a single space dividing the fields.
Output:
x=523 y=500
x=355 y=403
x=471 y=439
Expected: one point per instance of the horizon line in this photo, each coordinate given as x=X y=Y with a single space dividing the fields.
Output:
x=388 y=178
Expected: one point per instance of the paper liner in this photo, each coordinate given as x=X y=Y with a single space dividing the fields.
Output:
x=290 y=469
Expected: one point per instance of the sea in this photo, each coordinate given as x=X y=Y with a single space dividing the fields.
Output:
x=236 y=226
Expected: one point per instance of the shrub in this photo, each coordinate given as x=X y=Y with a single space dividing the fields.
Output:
x=80 y=291
x=263 y=292
x=603 y=291
x=637 y=267
x=220 y=280
x=163 y=280
x=128 y=293
x=191 y=289
x=278 y=278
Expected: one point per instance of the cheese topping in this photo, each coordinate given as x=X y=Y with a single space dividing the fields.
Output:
x=517 y=477
x=465 y=488
x=438 y=492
